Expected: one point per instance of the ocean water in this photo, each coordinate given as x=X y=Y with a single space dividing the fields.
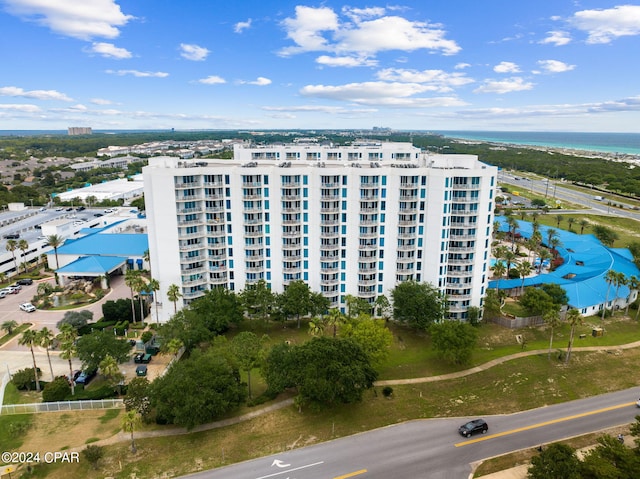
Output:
x=623 y=143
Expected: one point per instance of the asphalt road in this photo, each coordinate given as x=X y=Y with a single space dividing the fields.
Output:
x=432 y=448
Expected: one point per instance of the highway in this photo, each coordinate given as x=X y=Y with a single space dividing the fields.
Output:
x=433 y=448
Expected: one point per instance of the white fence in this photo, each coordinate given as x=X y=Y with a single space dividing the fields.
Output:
x=61 y=406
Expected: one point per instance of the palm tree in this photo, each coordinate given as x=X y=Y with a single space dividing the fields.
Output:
x=55 y=242
x=9 y=326
x=67 y=338
x=610 y=277
x=499 y=269
x=174 y=294
x=29 y=338
x=570 y=221
x=130 y=421
x=132 y=279
x=583 y=224
x=152 y=286
x=551 y=233
x=524 y=269
x=12 y=245
x=510 y=258
x=140 y=286
x=110 y=370
x=496 y=228
x=46 y=339
x=553 y=244
x=552 y=318
x=574 y=318
x=513 y=226
x=23 y=245
x=335 y=317
x=317 y=325
x=174 y=346
x=544 y=255
x=633 y=283
x=559 y=219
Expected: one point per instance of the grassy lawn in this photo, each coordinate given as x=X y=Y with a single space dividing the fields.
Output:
x=18 y=330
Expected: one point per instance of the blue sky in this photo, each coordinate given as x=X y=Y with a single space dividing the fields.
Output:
x=545 y=65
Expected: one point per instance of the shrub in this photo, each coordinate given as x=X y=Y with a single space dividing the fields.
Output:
x=513 y=274
x=25 y=379
x=387 y=391
x=146 y=336
x=93 y=454
x=56 y=390
x=139 y=325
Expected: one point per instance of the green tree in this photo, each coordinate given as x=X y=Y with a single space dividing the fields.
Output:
x=76 y=319
x=55 y=242
x=111 y=371
x=356 y=306
x=173 y=295
x=574 y=318
x=30 y=338
x=137 y=398
x=453 y=341
x=67 y=339
x=536 y=301
x=152 y=286
x=418 y=304
x=383 y=307
x=23 y=246
x=324 y=370
x=552 y=319
x=12 y=246
x=219 y=308
x=524 y=269
x=296 y=300
x=46 y=339
x=334 y=318
x=556 y=292
x=499 y=269
x=610 y=459
x=247 y=351
x=317 y=326
x=133 y=280
x=556 y=461
x=174 y=346
x=605 y=234
x=93 y=454
x=634 y=283
x=257 y=299
x=583 y=224
x=610 y=277
x=93 y=348
x=130 y=422
x=197 y=390
x=56 y=390
x=9 y=326
x=559 y=219
x=372 y=335
x=188 y=328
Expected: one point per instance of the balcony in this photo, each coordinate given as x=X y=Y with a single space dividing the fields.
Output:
x=194 y=282
x=214 y=209
x=330 y=222
x=368 y=210
x=290 y=197
x=329 y=247
x=367 y=294
x=463 y=199
x=406 y=247
x=214 y=196
x=291 y=209
x=252 y=221
x=408 y=186
x=329 y=282
x=191 y=247
x=368 y=247
x=461 y=249
x=193 y=294
x=254 y=269
x=407 y=222
x=187 y=271
x=330 y=209
x=186 y=211
x=465 y=261
x=190 y=222
x=292 y=270
x=367 y=269
x=332 y=269
x=367 y=282
x=187 y=185
x=291 y=234
x=331 y=185
x=368 y=222
x=291 y=221
x=461 y=236
x=465 y=186
x=407 y=211
x=291 y=184
x=253 y=246
x=293 y=257
x=335 y=197
x=252 y=209
x=329 y=234
x=254 y=233
x=199 y=234
x=411 y=235
x=249 y=184
x=218 y=280
x=198 y=196
x=213 y=184
x=459 y=273
x=252 y=197
x=217 y=256
x=401 y=259
x=463 y=212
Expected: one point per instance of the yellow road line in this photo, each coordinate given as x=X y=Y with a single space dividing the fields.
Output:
x=351 y=474
x=542 y=424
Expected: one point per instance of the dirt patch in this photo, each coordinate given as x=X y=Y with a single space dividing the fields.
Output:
x=45 y=432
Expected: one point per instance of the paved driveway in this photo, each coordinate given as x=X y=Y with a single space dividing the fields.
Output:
x=14 y=357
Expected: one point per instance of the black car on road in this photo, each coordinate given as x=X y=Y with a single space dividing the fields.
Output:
x=472 y=427
x=24 y=281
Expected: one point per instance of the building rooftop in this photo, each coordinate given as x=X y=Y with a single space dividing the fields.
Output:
x=107 y=244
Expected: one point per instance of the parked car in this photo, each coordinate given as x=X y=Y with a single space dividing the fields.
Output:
x=98 y=215
x=638 y=402
x=85 y=377
x=142 y=358
x=69 y=209
x=59 y=208
x=141 y=370
x=74 y=375
x=12 y=236
x=108 y=210
x=28 y=307
x=80 y=208
x=3 y=293
x=473 y=427
x=25 y=281
x=14 y=288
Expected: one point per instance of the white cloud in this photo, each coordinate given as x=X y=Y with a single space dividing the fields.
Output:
x=260 y=81
x=84 y=20
x=506 y=67
x=137 y=73
x=395 y=94
x=212 y=80
x=193 y=52
x=23 y=108
x=437 y=80
x=109 y=50
x=365 y=35
x=557 y=38
x=242 y=26
x=317 y=108
x=35 y=94
x=504 y=86
x=555 y=66
x=603 y=26
x=100 y=101
x=461 y=66
x=347 y=62
x=306 y=27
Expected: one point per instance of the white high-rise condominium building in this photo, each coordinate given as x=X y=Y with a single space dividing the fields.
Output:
x=355 y=220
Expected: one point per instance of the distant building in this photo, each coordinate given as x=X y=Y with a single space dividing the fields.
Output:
x=79 y=130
